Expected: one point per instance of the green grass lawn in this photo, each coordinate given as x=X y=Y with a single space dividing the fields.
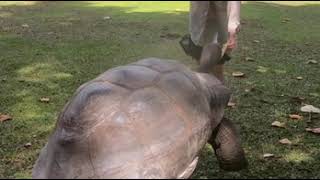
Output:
x=48 y=49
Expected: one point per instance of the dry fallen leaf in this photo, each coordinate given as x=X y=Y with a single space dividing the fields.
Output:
x=25 y=25
x=310 y=109
x=278 y=124
x=285 y=141
x=44 y=99
x=238 y=74
x=249 y=89
x=295 y=116
x=312 y=62
x=278 y=71
x=249 y=59
x=106 y=17
x=299 y=78
x=4 y=117
x=27 y=145
x=268 y=155
x=262 y=69
x=286 y=19
x=231 y=104
x=313 y=130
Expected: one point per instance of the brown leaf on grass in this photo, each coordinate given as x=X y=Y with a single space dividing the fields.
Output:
x=4 y=117
x=44 y=99
x=106 y=18
x=295 y=116
x=285 y=141
x=313 y=130
x=268 y=155
x=262 y=69
x=249 y=59
x=25 y=25
x=249 y=89
x=312 y=62
x=231 y=104
x=238 y=74
x=278 y=124
x=285 y=20
x=279 y=71
x=310 y=109
x=28 y=145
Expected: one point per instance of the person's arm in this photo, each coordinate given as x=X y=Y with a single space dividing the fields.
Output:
x=234 y=15
x=233 y=23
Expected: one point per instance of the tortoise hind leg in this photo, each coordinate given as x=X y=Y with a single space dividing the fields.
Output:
x=227 y=146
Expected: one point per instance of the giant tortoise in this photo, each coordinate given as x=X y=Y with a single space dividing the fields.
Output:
x=148 y=119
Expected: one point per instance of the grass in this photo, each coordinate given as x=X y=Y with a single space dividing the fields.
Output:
x=69 y=43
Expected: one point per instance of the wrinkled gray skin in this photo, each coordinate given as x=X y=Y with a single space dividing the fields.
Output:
x=149 y=119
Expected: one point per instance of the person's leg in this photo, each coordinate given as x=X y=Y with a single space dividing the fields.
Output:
x=220 y=12
x=200 y=22
x=208 y=30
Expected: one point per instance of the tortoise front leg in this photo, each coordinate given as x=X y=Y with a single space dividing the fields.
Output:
x=226 y=142
x=210 y=57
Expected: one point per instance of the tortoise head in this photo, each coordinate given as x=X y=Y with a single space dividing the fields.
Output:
x=217 y=94
x=210 y=56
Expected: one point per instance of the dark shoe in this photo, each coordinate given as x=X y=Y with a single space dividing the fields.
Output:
x=190 y=48
x=195 y=51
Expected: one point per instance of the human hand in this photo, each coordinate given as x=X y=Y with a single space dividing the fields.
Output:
x=232 y=40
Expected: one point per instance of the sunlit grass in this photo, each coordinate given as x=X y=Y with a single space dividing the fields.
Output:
x=298 y=156
x=293 y=3
x=146 y=6
x=42 y=72
x=17 y=3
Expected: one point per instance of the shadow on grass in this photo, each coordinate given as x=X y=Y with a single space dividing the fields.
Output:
x=48 y=49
